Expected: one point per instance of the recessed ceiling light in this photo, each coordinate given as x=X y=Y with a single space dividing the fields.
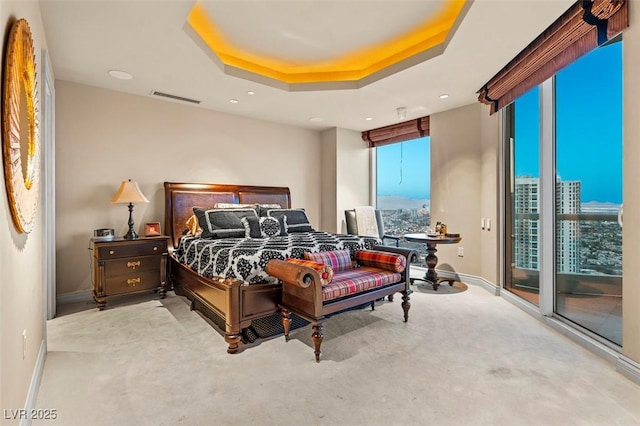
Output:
x=444 y=96
x=369 y=118
x=233 y=101
x=121 y=75
x=316 y=119
x=251 y=93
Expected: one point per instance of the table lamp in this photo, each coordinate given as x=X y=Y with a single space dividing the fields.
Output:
x=129 y=192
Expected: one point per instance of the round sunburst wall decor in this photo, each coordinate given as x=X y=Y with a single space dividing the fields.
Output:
x=20 y=127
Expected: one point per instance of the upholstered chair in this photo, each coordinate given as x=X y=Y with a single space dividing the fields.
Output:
x=352 y=227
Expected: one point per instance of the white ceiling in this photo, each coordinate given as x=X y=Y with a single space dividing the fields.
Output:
x=87 y=38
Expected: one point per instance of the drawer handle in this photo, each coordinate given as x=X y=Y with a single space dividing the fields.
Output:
x=155 y=249
x=111 y=252
x=133 y=281
x=133 y=264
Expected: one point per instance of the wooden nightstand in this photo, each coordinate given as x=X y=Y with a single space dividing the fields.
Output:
x=128 y=266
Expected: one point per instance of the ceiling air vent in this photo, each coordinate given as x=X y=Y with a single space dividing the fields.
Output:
x=174 y=97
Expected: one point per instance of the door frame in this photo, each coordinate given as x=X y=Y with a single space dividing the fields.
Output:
x=48 y=187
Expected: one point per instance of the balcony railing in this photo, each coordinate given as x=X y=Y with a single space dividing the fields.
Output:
x=591 y=296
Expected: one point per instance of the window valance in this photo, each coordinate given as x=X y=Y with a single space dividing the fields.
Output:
x=407 y=130
x=583 y=27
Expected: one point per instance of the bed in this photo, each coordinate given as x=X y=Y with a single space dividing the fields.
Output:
x=235 y=294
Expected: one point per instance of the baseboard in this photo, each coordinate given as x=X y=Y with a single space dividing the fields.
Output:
x=470 y=279
x=32 y=394
x=521 y=303
x=584 y=340
x=628 y=368
x=78 y=296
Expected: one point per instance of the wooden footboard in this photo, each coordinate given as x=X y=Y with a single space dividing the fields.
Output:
x=229 y=303
x=226 y=302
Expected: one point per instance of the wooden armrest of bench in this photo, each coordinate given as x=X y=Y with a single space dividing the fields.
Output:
x=292 y=273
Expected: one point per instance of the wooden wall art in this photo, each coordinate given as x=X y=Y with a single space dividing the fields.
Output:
x=20 y=127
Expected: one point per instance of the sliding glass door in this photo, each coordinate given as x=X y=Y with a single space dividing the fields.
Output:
x=589 y=192
x=563 y=169
x=523 y=203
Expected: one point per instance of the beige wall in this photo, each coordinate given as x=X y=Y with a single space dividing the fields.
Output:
x=345 y=176
x=464 y=145
x=21 y=272
x=104 y=137
x=489 y=190
x=352 y=175
x=329 y=169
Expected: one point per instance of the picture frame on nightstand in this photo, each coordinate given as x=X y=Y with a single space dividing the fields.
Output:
x=152 y=229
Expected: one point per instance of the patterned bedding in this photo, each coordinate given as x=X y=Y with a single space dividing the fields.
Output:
x=246 y=258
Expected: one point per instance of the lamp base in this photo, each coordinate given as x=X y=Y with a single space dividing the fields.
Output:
x=131 y=235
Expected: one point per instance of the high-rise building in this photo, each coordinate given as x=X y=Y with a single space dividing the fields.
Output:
x=527 y=224
x=567 y=231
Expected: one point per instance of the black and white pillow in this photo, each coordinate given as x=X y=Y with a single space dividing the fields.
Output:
x=236 y=206
x=297 y=220
x=264 y=208
x=264 y=227
x=222 y=223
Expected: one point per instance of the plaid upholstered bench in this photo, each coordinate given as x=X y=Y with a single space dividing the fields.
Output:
x=329 y=282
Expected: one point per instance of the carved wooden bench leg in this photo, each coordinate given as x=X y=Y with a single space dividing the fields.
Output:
x=286 y=321
x=317 y=338
x=373 y=305
x=405 y=304
x=233 y=339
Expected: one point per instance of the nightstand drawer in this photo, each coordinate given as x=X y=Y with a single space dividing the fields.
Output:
x=123 y=266
x=142 y=248
x=132 y=265
x=132 y=282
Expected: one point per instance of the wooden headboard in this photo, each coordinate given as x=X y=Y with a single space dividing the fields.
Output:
x=180 y=198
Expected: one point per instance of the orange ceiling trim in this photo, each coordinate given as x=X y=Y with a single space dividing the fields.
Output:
x=355 y=66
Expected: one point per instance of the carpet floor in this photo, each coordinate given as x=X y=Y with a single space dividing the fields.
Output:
x=464 y=358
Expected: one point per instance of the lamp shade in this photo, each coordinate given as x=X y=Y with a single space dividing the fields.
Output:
x=129 y=192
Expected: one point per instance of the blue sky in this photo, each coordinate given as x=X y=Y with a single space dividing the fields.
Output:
x=588 y=134
x=588 y=125
x=403 y=169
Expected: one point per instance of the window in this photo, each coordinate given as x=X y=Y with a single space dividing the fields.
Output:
x=588 y=161
x=403 y=189
x=573 y=125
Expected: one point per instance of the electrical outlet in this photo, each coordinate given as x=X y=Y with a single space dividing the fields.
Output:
x=460 y=251
x=24 y=344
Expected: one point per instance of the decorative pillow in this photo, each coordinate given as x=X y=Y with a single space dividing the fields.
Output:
x=193 y=227
x=264 y=208
x=297 y=220
x=222 y=223
x=380 y=259
x=264 y=227
x=338 y=260
x=325 y=271
x=234 y=206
